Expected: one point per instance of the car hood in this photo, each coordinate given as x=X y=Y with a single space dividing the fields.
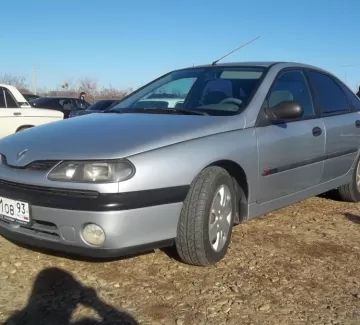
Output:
x=108 y=136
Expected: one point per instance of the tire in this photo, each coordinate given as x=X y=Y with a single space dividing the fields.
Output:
x=193 y=241
x=350 y=192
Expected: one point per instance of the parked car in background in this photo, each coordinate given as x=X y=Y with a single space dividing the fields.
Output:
x=30 y=97
x=16 y=114
x=160 y=102
x=249 y=138
x=98 y=107
x=63 y=104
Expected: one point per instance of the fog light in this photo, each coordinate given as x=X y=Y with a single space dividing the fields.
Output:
x=93 y=234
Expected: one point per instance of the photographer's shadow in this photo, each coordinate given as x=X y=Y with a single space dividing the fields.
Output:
x=54 y=298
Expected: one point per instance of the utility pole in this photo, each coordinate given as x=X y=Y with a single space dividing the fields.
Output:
x=34 y=79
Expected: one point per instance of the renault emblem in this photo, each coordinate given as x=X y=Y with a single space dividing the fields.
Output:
x=21 y=154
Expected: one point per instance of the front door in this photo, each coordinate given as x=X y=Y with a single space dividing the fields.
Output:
x=290 y=153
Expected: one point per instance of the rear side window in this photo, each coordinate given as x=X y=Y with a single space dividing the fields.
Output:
x=2 y=98
x=329 y=95
x=353 y=99
x=10 y=100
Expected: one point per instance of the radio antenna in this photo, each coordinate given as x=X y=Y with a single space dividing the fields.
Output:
x=247 y=43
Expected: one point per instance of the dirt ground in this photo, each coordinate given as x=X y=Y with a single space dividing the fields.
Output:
x=298 y=265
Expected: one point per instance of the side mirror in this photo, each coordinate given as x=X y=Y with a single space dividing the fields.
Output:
x=285 y=110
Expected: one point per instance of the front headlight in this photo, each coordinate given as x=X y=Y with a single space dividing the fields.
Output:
x=92 y=171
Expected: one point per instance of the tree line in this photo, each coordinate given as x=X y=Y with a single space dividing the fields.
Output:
x=93 y=90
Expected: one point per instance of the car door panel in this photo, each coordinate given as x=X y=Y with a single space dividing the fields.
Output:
x=342 y=143
x=342 y=132
x=290 y=158
x=291 y=154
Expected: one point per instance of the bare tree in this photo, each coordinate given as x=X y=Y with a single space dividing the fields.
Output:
x=16 y=81
x=89 y=86
x=112 y=93
x=93 y=90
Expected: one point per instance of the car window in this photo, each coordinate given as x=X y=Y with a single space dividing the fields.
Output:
x=46 y=102
x=353 y=99
x=66 y=104
x=2 y=99
x=329 y=95
x=80 y=104
x=218 y=88
x=292 y=85
x=174 y=89
x=40 y=101
x=10 y=102
x=215 y=90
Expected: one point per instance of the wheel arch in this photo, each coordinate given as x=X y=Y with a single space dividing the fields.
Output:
x=22 y=127
x=241 y=186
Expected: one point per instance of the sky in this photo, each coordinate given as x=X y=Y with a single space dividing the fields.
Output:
x=128 y=43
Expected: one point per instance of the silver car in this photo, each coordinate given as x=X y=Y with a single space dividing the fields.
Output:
x=249 y=138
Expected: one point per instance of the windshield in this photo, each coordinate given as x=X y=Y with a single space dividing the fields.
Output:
x=215 y=90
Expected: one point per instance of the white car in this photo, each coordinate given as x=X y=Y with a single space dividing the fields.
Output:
x=16 y=114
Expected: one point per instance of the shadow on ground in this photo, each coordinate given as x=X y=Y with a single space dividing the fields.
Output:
x=54 y=298
x=352 y=217
x=332 y=195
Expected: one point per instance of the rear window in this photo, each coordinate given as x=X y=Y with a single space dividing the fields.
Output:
x=39 y=101
x=354 y=100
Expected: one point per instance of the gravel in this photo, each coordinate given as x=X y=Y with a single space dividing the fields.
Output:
x=298 y=265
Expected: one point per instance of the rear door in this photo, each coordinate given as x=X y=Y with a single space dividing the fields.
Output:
x=342 y=124
x=290 y=153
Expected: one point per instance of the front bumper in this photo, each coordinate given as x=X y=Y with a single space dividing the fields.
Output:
x=132 y=222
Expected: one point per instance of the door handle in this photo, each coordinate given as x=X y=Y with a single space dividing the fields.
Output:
x=357 y=123
x=17 y=113
x=316 y=131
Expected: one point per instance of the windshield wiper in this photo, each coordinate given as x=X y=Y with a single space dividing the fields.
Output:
x=157 y=109
x=180 y=110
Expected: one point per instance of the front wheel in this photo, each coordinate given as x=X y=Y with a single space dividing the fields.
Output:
x=207 y=218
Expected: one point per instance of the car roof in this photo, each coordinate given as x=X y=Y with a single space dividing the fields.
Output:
x=264 y=64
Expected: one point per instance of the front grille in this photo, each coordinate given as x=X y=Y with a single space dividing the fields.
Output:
x=42 y=229
x=48 y=191
x=39 y=165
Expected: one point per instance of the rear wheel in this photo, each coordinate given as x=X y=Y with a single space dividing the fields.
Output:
x=351 y=191
x=207 y=218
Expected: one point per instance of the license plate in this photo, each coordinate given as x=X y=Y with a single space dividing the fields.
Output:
x=15 y=211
